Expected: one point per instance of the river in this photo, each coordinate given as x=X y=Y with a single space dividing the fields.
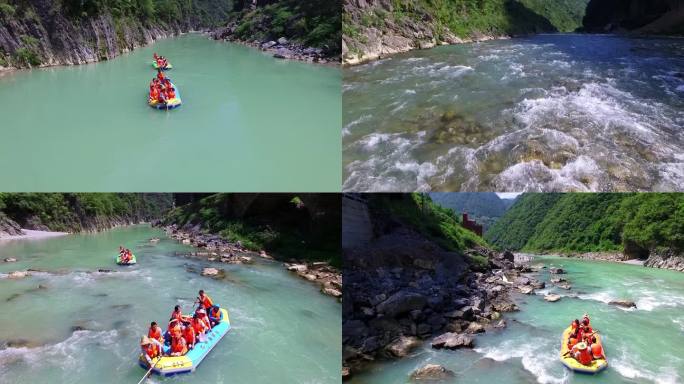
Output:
x=283 y=329
x=89 y=128
x=561 y=112
x=642 y=345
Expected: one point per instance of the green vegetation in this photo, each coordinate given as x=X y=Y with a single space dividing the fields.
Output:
x=592 y=222
x=466 y=18
x=483 y=207
x=287 y=228
x=73 y=212
x=314 y=23
x=439 y=224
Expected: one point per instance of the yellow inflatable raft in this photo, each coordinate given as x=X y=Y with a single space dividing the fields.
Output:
x=594 y=367
x=173 y=365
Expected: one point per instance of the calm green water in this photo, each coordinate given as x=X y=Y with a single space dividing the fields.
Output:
x=642 y=345
x=284 y=330
x=249 y=122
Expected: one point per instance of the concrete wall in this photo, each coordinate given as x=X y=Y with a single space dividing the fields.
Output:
x=357 y=229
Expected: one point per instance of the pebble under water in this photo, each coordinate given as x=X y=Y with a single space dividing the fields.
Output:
x=562 y=112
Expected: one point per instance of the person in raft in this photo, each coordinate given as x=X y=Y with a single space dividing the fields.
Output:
x=189 y=334
x=155 y=332
x=215 y=315
x=582 y=342
x=204 y=300
x=125 y=254
x=151 y=349
x=202 y=315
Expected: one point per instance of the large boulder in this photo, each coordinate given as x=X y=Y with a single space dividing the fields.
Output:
x=556 y=271
x=431 y=372
x=452 y=340
x=475 y=328
x=402 y=346
x=508 y=255
x=402 y=302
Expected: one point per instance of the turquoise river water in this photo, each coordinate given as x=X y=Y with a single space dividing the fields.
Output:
x=643 y=345
x=284 y=330
x=249 y=122
x=547 y=113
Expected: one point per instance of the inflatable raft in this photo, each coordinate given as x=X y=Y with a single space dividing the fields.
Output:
x=596 y=366
x=173 y=365
x=170 y=104
x=133 y=260
x=169 y=66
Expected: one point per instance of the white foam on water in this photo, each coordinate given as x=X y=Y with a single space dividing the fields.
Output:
x=346 y=130
x=680 y=88
x=489 y=57
x=410 y=91
x=679 y=322
x=64 y=355
x=534 y=357
x=534 y=176
x=391 y=166
x=627 y=365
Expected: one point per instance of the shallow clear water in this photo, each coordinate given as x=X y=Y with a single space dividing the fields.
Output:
x=642 y=345
x=249 y=122
x=544 y=113
x=283 y=329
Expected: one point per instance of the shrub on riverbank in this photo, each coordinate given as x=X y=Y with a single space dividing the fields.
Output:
x=418 y=211
x=74 y=212
x=282 y=224
x=315 y=23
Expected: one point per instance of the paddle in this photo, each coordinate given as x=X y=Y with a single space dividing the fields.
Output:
x=150 y=370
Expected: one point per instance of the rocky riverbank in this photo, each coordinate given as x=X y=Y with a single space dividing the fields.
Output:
x=280 y=49
x=666 y=258
x=403 y=291
x=216 y=249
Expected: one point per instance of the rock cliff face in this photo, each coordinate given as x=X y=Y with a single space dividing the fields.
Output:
x=8 y=227
x=640 y=16
x=41 y=34
x=401 y=289
x=373 y=29
x=666 y=259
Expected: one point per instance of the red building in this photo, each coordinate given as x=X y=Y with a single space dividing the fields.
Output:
x=471 y=225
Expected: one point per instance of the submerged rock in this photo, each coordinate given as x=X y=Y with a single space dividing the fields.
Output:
x=623 y=303
x=431 y=372
x=552 y=298
x=10 y=260
x=556 y=271
x=213 y=273
x=18 y=274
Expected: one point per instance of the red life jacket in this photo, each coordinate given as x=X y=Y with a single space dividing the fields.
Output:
x=584 y=357
x=198 y=325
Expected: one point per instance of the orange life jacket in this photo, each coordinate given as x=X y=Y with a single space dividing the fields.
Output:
x=155 y=333
x=178 y=344
x=177 y=315
x=160 y=75
x=215 y=314
x=198 y=325
x=189 y=335
x=151 y=350
x=170 y=93
x=206 y=302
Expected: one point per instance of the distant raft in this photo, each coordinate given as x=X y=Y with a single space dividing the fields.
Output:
x=595 y=366
x=168 y=67
x=173 y=365
x=170 y=104
x=131 y=262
